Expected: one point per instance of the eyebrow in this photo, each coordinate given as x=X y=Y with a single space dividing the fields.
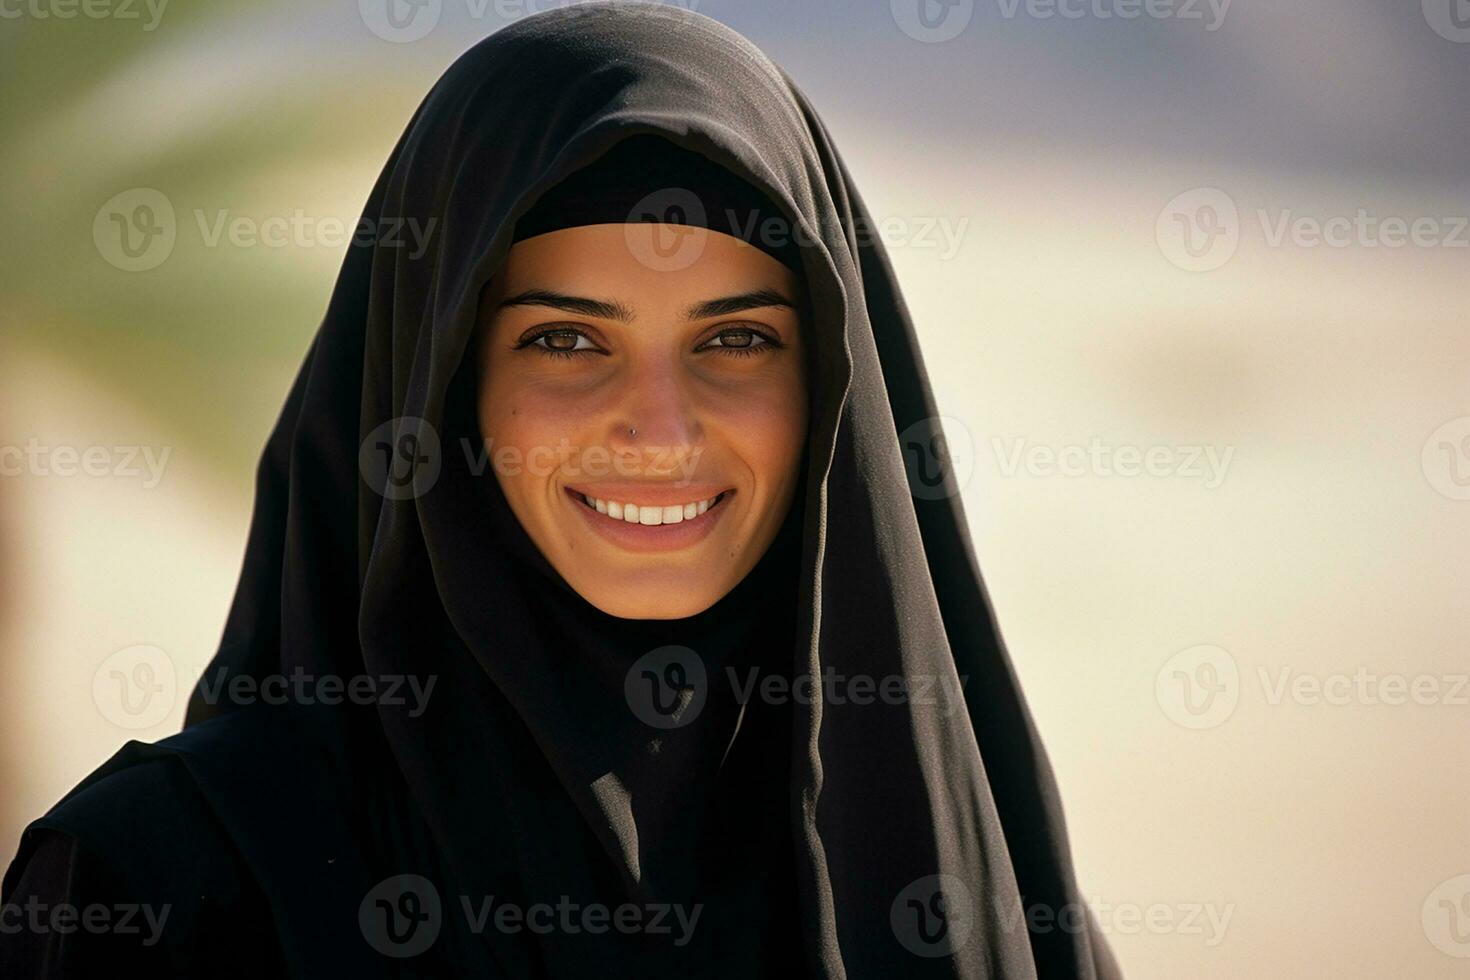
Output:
x=602 y=309
x=612 y=310
x=754 y=300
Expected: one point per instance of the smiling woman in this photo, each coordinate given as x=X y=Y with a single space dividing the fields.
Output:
x=694 y=654
x=675 y=393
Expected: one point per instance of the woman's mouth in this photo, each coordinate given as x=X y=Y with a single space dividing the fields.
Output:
x=649 y=520
x=651 y=515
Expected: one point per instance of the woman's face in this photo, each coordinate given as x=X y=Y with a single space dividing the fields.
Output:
x=669 y=394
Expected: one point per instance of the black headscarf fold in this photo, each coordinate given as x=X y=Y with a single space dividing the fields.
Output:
x=835 y=836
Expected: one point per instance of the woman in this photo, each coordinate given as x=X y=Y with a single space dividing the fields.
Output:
x=610 y=475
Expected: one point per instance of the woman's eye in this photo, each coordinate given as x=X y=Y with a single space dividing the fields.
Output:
x=740 y=341
x=561 y=343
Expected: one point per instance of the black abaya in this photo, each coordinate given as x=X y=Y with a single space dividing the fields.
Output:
x=826 y=836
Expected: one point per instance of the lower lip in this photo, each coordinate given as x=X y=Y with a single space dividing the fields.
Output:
x=651 y=537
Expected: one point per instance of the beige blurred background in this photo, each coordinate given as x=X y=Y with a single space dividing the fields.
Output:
x=1248 y=658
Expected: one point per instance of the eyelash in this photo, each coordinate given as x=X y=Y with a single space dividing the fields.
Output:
x=768 y=342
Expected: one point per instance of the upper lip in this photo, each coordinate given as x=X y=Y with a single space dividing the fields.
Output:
x=653 y=494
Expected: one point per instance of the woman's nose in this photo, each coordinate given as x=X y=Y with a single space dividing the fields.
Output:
x=658 y=416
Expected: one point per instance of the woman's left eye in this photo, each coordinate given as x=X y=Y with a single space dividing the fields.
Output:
x=740 y=342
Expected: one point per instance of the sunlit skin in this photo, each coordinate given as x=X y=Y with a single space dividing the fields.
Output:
x=583 y=339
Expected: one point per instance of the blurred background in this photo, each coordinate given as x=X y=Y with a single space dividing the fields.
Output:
x=1191 y=279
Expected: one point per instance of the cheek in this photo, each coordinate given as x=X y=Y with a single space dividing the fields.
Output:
x=765 y=426
x=529 y=428
x=526 y=417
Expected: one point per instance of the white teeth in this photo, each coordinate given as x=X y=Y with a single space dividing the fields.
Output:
x=649 y=514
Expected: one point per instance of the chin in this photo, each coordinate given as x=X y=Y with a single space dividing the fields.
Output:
x=663 y=591
x=636 y=606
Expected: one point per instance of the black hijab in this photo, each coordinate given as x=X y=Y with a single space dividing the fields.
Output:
x=836 y=836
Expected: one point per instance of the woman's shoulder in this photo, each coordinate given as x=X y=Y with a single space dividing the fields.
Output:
x=191 y=792
x=139 y=809
x=131 y=871
x=186 y=837
x=135 y=799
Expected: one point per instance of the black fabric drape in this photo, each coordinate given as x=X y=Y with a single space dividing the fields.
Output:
x=904 y=836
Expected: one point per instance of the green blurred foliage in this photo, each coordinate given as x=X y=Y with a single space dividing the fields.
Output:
x=226 y=108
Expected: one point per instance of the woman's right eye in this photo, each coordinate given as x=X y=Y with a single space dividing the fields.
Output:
x=560 y=342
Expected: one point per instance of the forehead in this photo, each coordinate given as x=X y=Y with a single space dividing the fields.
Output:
x=646 y=264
